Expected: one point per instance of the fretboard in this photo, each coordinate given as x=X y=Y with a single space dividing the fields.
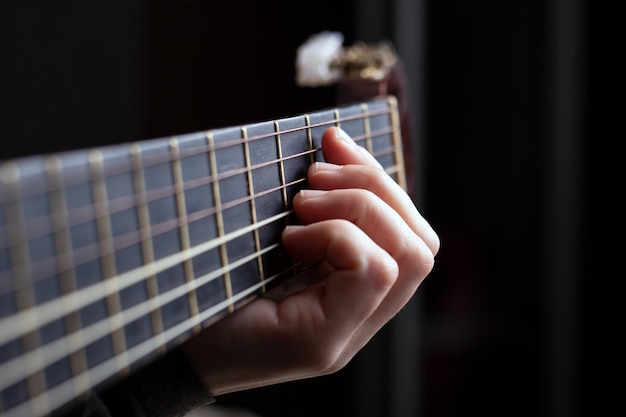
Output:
x=110 y=257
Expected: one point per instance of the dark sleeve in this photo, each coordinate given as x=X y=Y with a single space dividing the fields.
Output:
x=168 y=387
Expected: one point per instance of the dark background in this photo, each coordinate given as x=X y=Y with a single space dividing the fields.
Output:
x=515 y=111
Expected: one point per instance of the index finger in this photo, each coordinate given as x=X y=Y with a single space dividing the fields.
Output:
x=361 y=170
x=339 y=148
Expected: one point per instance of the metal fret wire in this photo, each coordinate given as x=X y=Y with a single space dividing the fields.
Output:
x=14 y=370
x=68 y=303
x=220 y=222
x=161 y=158
x=78 y=359
x=145 y=236
x=51 y=311
x=125 y=281
x=57 y=396
x=25 y=299
x=24 y=322
x=181 y=210
x=281 y=171
x=253 y=209
x=87 y=214
x=139 y=310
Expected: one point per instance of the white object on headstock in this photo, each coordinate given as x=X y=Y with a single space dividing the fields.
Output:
x=314 y=57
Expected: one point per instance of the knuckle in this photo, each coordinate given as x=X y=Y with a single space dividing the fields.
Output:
x=324 y=359
x=363 y=205
x=420 y=260
x=327 y=364
x=384 y=271
x=374 y=179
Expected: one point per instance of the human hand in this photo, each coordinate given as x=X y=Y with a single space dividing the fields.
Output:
x=375 y=249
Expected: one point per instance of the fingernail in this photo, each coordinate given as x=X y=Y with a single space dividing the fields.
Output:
x=341 y=134
x=312 y=193
x=292 y=228
x=325 y=166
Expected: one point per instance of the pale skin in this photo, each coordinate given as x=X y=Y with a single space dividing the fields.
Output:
x=375 y=249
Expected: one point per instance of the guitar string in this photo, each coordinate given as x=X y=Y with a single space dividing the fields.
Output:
x=82 y=214
x=86 y=214
x=19 y=368
x=98 y=293
x=87 y=295
x=41 y=226
x=252 y=255
x=146 y=348
x=67 y=390
x=156 y=159
x=211 y=211
x=49 y=310
x=75 y=301
x=91 y=252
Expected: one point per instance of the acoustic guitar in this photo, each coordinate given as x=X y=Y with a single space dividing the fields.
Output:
x=110 y=257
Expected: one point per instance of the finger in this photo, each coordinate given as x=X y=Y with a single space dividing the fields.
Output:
x=327 y=176
x=339 y=148
x=363 y=273
x=372 y=215
x=388 y=230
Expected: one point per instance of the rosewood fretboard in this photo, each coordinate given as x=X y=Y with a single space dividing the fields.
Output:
x=111 y=256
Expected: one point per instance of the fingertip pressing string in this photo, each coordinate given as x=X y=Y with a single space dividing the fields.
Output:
x=344 y=137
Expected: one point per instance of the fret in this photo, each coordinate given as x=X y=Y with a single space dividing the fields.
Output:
x=28 y=296
x=236 y=205
x=201 y=215
x=149 y=283
x=296 y=153
x=387 y=145
x=320 y=121
x=100 y=291
x=130 y=255
x=309 y=138
x=105 y=238
x=76 y=364
x=181 y=209
x=12 y=253
x=268 y=187
x=321 y=125
x=337 y=117
x=283 y=183
x=220 y=220
x=253 y=209
x=137 y=353
x=94 y=332
x=25 y=300
x=366 y=128
x=399 y=169
x=281 y=167
x=98 y=350
x=177 y=232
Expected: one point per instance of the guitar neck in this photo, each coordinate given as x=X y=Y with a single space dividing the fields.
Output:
x=111 y=256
